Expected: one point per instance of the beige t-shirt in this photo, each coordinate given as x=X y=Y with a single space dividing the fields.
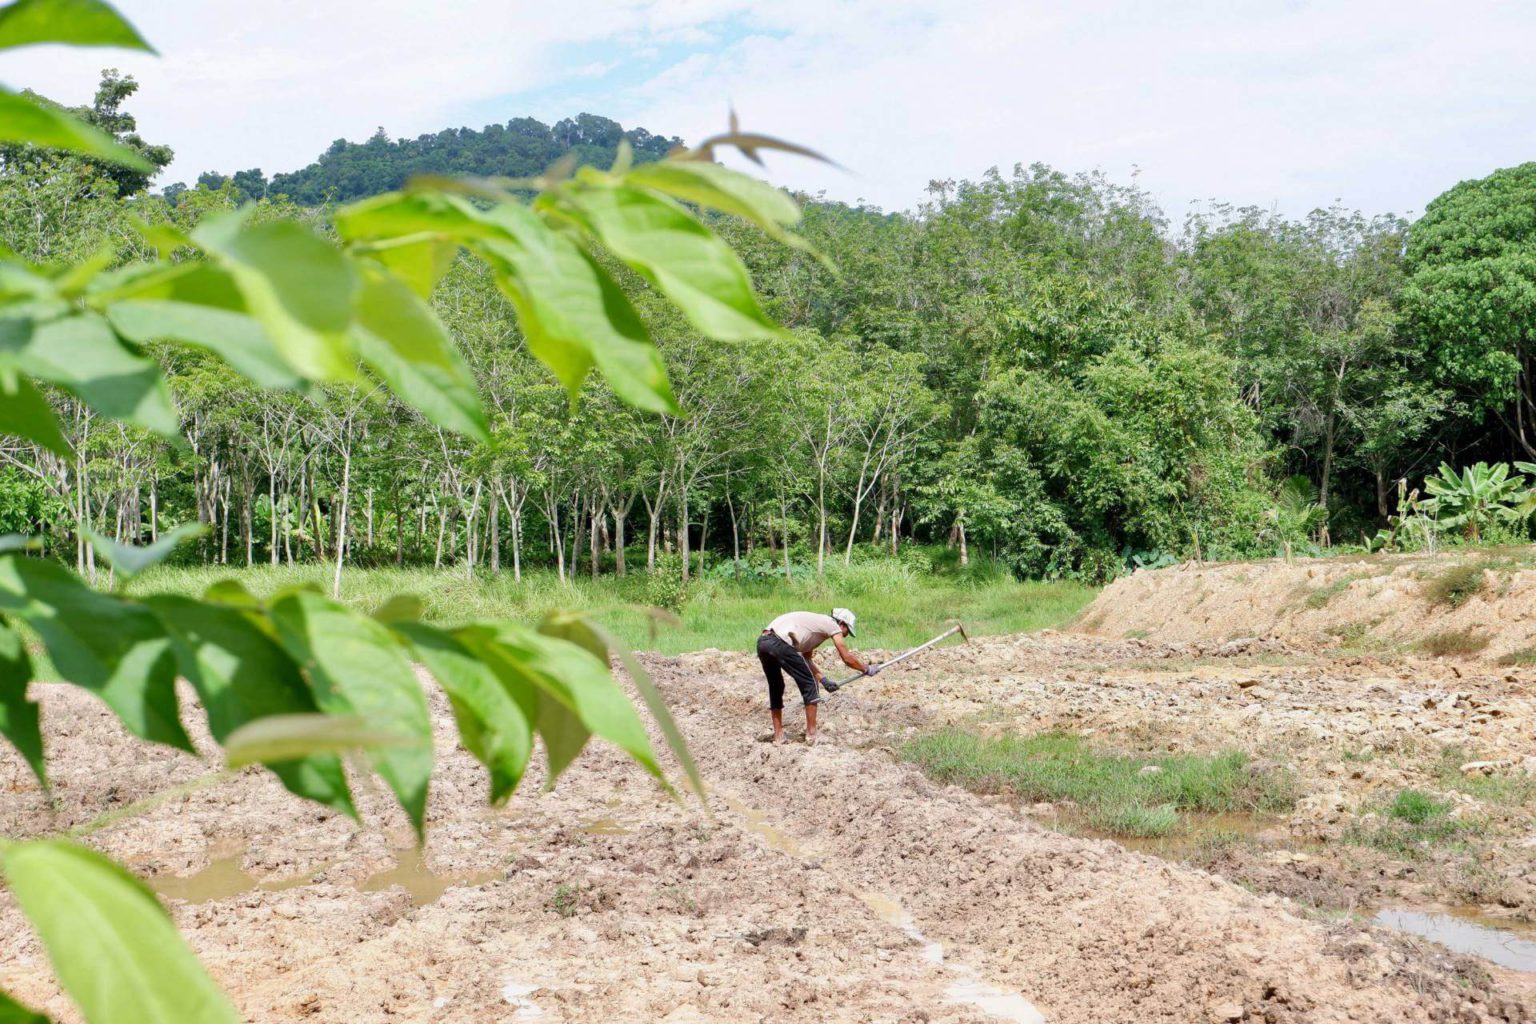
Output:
x=805 y=631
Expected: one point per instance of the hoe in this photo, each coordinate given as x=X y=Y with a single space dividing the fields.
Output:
x=951 y=631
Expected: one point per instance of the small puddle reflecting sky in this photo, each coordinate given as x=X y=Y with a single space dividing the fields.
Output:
x=1465 y=933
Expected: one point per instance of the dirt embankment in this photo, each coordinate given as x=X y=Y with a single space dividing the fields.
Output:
x=829 y=883
x=1466 y=605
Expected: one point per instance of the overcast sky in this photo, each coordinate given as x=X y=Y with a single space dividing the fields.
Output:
x=1381 y=104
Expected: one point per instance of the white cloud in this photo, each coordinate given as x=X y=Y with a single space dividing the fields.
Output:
x=1382 y=104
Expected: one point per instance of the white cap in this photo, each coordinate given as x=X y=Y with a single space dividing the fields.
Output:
x=844 y=616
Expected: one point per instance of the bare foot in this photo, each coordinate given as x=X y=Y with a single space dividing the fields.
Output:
x=810 y=739
x=778 y=740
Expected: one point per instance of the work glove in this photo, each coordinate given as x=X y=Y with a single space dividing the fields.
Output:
x=870 y=670
x=829 y=686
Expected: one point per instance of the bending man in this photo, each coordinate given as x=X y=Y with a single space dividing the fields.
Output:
x=786 y=646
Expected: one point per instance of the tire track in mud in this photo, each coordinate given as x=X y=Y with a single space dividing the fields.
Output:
x=1085 y=930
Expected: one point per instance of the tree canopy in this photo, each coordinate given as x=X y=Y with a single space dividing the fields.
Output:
x=521 y=148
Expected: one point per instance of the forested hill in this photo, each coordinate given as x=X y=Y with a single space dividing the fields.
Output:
x=523 y=147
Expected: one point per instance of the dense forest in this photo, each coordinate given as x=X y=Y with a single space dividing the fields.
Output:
x=521 y=148
x=1034 y=364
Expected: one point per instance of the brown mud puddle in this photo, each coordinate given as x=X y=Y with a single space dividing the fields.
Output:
x=1464 y=930
x=224 y=878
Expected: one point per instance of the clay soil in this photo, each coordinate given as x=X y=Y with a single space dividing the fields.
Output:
x=834 y=882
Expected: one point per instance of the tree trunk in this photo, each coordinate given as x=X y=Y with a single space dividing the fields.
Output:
x=594 y=514
x=784 y=514
x=821 y=525
x=442 y=530
x=650 y=535
x=341 y=530
x=1329 y=432
x=224 y=523
x=965 y=555
x=394 y=500
x=287 y=534
x=248 y=518
x=273 y=554
x=735 y=537
x=517 y=542
x=495 y=541
x=618 y=543
x=682 y=530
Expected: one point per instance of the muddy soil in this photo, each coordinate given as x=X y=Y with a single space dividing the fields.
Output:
x=825 y=883
x=1354 y=731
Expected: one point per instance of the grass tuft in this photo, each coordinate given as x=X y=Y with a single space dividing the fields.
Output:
x=1523 y=656
x=1137 y=821
x=1456 y=585
x=563 y=902
x=1454 y=643
x=1416 y=807
x=1320 y=597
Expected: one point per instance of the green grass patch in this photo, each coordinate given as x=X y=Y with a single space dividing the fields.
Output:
x=897 y=607
x=1454 y=643
x=1456 y=585
x=1320 y=597
x=1417 y=807
x=1411 y=824
x=1115 y=792
x=1512 y=789
x=1136 y=821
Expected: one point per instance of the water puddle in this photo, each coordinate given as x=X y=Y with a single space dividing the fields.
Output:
x=1197 y=834
x=1467 y=932
x=993 y=1001
x=425 y=886
x=220 y=880
x=224 y=878
x=757 y=823
x=516 y=994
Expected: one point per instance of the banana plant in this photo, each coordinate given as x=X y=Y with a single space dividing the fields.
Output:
x=1475 y=498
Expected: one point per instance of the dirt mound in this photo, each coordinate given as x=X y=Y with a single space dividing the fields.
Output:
x=1480 y=605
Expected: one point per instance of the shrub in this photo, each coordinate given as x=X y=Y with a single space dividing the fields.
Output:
x=664 y=585
x=1456 y=585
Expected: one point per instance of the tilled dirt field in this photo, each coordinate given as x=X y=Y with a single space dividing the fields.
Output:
x=826 y=883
